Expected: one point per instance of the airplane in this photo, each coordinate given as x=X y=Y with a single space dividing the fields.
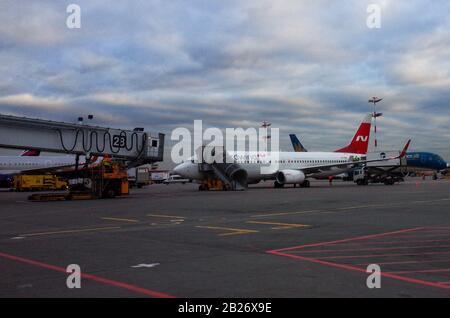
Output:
x=294 y=168
x=415 y=161
x=30 y=161
x=14 y=164
x=6 y=179
x=425 y=163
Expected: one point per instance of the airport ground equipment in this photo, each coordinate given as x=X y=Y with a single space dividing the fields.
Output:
x=213 y=184
x=39 y=183
x=362 y=176
x=139 y=177
x=388 y=172
x=136 y=147
x=107 y=180
x=159 y=176
x=131 y=147
x=231 y=175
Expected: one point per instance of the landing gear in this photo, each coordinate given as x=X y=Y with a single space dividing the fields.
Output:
x=278 y=185
x=305 y=184
x=362 y=182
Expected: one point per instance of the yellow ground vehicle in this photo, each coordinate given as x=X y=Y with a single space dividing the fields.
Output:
x=39 y=183
x=107 y=180
x=213 y=184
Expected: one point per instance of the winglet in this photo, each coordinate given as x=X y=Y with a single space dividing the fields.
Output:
x=405 y=149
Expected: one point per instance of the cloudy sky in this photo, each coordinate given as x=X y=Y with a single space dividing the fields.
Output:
x=307 y=66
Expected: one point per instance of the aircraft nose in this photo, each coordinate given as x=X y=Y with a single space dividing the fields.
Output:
x=180 y=170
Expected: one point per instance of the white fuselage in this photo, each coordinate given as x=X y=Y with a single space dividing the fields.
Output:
x=253 y=163
x=15 y=164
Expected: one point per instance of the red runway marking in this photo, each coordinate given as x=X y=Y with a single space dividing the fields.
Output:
x=362 y=270
x=382 y=255
x=422 y=271
x=355 y=267
x=405 y=262
x=347 y=240
x=373 y=249
x=445 y=230
x=444 y=283
x=389 y=242
x=95 y=278
x=423 y=236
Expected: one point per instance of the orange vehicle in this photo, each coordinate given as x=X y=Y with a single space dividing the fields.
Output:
x=106 y=180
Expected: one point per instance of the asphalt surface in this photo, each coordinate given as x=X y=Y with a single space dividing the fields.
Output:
x=176 y=241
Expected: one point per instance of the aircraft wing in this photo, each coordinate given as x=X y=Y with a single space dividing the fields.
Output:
x=62 y=169
x=53 y=170
x=350 y=164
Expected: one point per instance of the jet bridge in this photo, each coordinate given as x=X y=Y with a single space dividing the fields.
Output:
x=137 y=147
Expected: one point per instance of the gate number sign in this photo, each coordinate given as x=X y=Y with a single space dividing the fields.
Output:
x=119 y=141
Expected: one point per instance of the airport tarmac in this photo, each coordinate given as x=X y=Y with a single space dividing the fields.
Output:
x=173 y=240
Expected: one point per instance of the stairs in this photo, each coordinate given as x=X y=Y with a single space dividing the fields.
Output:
x=228 y=172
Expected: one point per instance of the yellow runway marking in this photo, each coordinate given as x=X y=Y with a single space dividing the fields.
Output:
x=121 y=220
x=71 y=231
x=232 y=231
x=280 y=226
x=166 y=216
x=284 y=213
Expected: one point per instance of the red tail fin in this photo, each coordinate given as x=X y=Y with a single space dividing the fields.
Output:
x=405 y=149
x=360 y=142
x=30 y=153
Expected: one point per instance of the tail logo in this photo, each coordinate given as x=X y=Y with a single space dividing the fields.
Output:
x=362 y=138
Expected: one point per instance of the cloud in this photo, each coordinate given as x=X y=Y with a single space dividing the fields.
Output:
x=309 y=67
x=28 y=100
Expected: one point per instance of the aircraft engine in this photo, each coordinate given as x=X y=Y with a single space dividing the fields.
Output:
x=290 y=177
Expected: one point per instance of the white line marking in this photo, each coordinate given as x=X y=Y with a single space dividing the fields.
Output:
x=145 y=265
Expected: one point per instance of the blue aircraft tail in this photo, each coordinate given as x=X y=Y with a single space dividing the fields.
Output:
x=298 y=147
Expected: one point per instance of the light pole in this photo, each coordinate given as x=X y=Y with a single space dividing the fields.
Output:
x=375 y=115
x=265 y=125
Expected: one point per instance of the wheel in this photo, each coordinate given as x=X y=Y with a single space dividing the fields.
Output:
x=278 y=185
x=109 y=194
x=305 y=184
